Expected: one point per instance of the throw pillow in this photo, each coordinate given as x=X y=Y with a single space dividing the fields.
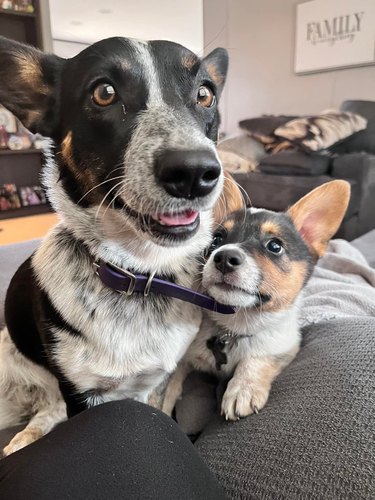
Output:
x=316 y=133
x=262 y=128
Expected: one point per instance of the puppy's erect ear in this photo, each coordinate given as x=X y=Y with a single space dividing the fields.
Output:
x=318 y=215
x=28 y=85
x=230 y=200
x=216 y=65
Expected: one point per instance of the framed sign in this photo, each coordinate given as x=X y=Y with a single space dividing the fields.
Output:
x=333 y=34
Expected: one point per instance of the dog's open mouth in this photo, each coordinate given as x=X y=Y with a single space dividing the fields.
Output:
x=180 y=225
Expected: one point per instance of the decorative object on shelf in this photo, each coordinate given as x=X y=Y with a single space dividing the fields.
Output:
x=3 y=137
x=18 y=5
x=334 y=34
x=32 y=195
x=16 y=142
x=9 y=199
x=8 y=120
x=7 y=5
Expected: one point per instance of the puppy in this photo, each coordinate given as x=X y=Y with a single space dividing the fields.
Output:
x=259 y=262
x=133 y=172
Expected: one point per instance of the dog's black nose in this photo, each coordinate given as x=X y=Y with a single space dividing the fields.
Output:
x=188 y=174
x=228 y=261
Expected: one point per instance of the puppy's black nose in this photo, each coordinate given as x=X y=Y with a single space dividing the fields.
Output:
x=188 y=174
x=228 y=261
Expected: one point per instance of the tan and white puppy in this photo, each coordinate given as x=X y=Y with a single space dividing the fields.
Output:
x=259 y=263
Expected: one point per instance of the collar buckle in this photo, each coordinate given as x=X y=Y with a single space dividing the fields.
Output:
x=128 y=274
x=148 y=284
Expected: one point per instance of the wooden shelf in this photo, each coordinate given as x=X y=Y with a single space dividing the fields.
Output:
x=25 y=27
x=11 y=12
x=8 y=152
x=25 y=211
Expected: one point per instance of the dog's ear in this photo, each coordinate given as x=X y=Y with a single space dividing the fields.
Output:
x=216 y=65
x=28 y=85
x=230 y=200
x=318 y=215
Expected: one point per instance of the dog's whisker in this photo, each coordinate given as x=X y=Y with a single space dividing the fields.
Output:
x=105 y=197
x=97 y=186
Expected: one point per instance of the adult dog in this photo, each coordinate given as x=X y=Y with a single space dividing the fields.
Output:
x=134 y=175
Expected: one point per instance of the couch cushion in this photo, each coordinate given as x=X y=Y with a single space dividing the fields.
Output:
x=11 y=257
x=320 y=132
x=294 y=163
x=366 y=245
x=365 y=139
x=243 y=145
x=262 y=127
x=313 y=438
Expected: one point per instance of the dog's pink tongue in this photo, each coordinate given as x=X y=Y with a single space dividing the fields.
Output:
x=182 y=219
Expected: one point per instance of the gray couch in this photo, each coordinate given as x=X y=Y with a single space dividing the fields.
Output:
x=283 y=178
x=314 y=438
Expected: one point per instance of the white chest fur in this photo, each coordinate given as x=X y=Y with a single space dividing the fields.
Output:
x=259 y=335
x=126 y=344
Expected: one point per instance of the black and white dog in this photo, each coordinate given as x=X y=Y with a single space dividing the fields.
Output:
x=134 y=175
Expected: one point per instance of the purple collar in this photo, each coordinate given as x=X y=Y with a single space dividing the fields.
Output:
x=126 y=282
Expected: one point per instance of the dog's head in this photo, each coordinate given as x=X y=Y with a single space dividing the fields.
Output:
x=264 y=258
x=134 y=126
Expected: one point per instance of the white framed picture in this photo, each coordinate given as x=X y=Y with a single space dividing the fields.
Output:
x=332 y=34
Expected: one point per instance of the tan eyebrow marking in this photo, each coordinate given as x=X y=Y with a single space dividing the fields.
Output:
x=270 y=227
x=229 y=224
x=189 y=61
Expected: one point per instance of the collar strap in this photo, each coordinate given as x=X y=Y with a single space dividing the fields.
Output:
x=125 y=282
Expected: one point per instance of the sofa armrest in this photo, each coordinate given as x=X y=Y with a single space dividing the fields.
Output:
x=361 y=168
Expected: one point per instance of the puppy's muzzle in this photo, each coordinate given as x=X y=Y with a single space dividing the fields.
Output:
x=228 y=261
x=188 y=174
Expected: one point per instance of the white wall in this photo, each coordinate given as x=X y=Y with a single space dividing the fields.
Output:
x=259 y=35
x=75 y=24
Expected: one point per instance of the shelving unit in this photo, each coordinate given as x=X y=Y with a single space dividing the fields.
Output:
x=22 y=26
x=21 y=168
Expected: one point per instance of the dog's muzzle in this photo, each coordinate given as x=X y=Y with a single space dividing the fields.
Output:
x=188 y=174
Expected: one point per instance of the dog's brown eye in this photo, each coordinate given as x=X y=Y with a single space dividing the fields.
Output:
x=205 y=97
x=104 y=94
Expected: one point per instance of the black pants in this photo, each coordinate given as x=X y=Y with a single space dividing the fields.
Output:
x=116 y=450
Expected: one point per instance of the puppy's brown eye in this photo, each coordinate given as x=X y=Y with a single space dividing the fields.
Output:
x=104 y=94
x=205 y=98
x=275 y=246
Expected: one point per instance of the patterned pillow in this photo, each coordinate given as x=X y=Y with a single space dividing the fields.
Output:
x=315 y=133
x=262 y=127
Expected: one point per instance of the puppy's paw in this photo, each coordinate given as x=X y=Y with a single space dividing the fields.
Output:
x=242 y=398
x=22 y=439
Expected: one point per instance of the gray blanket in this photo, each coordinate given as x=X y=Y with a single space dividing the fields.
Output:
x=342 y=285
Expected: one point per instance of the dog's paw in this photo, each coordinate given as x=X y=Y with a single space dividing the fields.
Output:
x=243 y=398
x=22 y=439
